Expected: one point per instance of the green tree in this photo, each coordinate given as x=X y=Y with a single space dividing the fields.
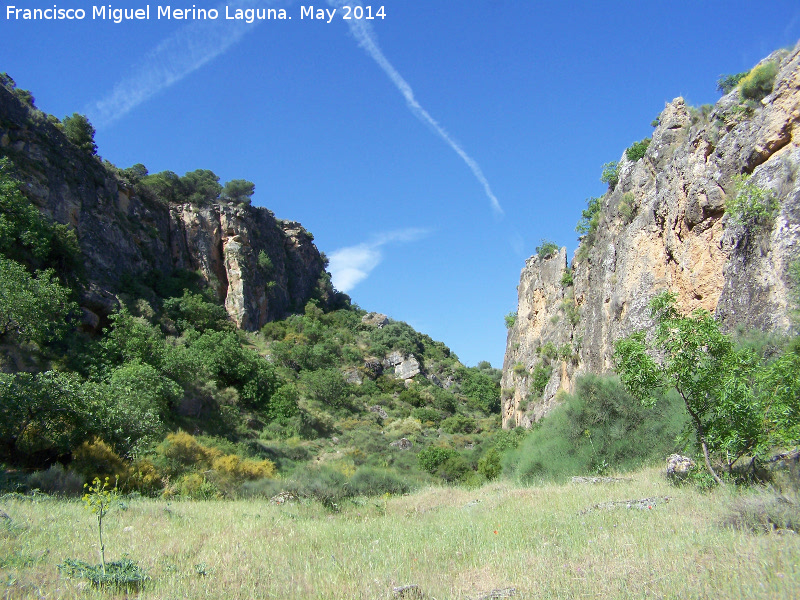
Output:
x=32 y=307
x=166 y=186
x=239 y=191
x=510 y=319
x=712 y=377
x=546 y=249
x=201 y=187
x=80 y=132
x=41 y=413
x=590 y=217
x=610 y=174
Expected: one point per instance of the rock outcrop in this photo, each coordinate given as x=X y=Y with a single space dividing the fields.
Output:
x=260 y=267
x=664 y=226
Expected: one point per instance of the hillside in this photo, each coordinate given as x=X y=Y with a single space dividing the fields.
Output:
x=160 y=330
x=709 y=208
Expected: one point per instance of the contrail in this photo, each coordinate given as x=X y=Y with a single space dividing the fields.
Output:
x=363 y=33
x=179 y=55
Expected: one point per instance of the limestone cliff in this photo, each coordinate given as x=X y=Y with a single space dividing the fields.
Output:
x=663 y=226
x=124 y=234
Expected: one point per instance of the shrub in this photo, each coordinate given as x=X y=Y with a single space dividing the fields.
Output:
x=622 y=434
x=610 y=174
x=56 y=480
x=590 y=218
x=546 y=249
x=637 y=150
x=489 y=464
x=627 y=207
x=433 y=457
x=727 y=83
x=566 y=278
x=750 y=205
x=540 y=377
x=371 y=481
x=80 y=132
x=759 y=81
x=459 y=424
x=511 y=319
x=97 y=459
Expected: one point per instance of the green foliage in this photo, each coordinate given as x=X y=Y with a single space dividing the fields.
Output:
x=627 y=207
x=41 y=413
x=28 y=236
x=431 y=458
x=737 y=404
x=283 y=403
x=193 y=310
x=546 y=249
x=510 y=319
x=566 y=278
x=759 y=81
x=727 y=83
x=459 y=424
x=489 y=464
x=590 y=219
x=326 y=385
x=98 y=500
x=750 y=205
x=265 y=263
x=24 y=95
x=123 y=574
x=598 y=427
x=481 y=389
x=610 y=174
x=201 y=187
x=371 y=481
x=239 y=191
x=79 y=132
x=539 y=378
x=32 y=308
x=637 y=150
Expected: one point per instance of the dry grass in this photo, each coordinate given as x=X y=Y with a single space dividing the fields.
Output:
x=452 y=543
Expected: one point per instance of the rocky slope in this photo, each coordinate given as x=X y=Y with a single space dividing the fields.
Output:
x=663 y=226
x=123 y=234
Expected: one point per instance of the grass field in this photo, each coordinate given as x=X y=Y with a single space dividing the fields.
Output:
x=450 y=542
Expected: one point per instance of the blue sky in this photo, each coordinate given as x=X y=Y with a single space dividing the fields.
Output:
x=430 y=203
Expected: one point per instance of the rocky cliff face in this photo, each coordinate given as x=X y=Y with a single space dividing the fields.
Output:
x=123 y=234
x=663 y=226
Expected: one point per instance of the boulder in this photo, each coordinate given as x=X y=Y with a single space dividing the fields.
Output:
x=407 y=369
x=678 y=466
x=402 y=444
x=375 y=320
x=393 y=359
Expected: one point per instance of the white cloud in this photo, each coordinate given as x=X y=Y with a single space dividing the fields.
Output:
x=351 y=265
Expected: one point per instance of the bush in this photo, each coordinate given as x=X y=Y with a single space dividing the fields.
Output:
x=540 y=377
x=597 y=427
x=590 y=219
x=459 y=424
x=371 y=481
x=546 y=249
x=80 y=132
x=433 y=457
x=759 y=81
x=510 y=319
x=56 y=480
x=489 y=464
x=637 y=150
x=727 y=83
x=610 y=174
x=750 y=205
x=566 y=278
